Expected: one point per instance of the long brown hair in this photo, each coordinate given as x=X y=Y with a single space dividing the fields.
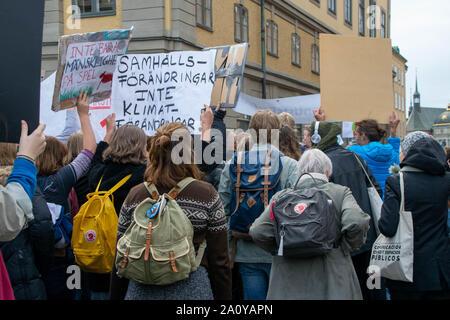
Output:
x=161 y=170
x=290 y=143
x=53 y=157
x=8 y=153
x=127 y=146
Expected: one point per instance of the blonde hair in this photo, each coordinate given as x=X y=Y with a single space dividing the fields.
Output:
x=8 y=153
x=127 y=145
x=74 y=146
x=286 y=119
x=264 y=119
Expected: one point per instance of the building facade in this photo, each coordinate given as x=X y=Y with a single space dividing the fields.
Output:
x=283 y=55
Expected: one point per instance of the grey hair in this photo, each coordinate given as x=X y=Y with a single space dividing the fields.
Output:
x=314 y=160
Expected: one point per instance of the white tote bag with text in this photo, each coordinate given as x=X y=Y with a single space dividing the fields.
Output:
x=395 y=256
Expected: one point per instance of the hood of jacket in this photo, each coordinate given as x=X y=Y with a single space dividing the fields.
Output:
x=375 y=151
x=428 y=155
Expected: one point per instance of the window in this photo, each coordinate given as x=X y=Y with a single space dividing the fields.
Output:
x=396 y=101
x=272 y=38
x=203 y=14
x=396 y=74
x=240 y=23
x=295 y=50
x=373 y=14
x=315 y=59
x=383 y=24
x=94 y=8
x=361 y=17
x=348 y=11
x=332 y=6
x=317 y=2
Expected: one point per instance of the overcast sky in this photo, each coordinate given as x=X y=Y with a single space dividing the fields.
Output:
x=421 y=29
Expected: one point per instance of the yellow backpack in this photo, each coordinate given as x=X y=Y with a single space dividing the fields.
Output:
x=95 y=231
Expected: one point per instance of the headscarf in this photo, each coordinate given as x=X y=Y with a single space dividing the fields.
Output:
x=328 y=132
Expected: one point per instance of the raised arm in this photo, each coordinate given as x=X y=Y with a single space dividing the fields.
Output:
x=83 y=113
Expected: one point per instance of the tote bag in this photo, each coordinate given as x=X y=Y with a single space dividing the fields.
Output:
x=395 y=256
x=375 y=200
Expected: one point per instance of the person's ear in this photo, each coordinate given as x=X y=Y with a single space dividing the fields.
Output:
x=328 y=174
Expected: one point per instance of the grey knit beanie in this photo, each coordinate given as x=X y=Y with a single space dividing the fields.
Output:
x=412 y=138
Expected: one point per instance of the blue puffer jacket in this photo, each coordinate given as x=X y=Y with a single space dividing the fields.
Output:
x=379 y=157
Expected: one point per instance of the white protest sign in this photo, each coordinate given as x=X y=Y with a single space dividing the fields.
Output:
x=150 y=90
x=347 y=129
x=62 y=124
x=300 y=107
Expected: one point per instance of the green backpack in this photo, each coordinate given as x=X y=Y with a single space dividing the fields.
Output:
x=157 y=248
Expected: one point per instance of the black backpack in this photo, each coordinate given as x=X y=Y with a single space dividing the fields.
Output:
x=305 y=222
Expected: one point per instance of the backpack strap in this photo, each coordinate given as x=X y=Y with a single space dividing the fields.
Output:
x=173 y=193
x=200 y=253
x=180 y=186
x=238 y=179
x=119 y=184
x=266 y=179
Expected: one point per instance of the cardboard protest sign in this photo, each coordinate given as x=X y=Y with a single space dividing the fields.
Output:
x=87 y=62
x=62 y=124
x=22 y=23
x=150 y=90
x=300 y=107
x=229 y=69
x=356 y=78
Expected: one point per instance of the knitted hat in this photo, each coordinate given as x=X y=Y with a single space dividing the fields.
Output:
x=410 y=139
x=328 y=132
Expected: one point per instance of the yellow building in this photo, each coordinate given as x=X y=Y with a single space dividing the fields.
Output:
x=399 y=75
x=283 y=55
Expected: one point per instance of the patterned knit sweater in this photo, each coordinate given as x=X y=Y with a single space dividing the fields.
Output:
x=202 y=205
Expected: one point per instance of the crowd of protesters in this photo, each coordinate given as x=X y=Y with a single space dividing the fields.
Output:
x=44 y=183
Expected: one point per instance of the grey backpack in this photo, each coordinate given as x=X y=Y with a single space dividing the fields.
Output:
x=305 y=223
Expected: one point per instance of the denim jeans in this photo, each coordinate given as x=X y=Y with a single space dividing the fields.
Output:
x=255 y=280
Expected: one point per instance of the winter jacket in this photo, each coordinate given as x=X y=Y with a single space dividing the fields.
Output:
x=327 y=277
x=426 y=196
x=247 y=251
x=379 y=157
x=111 y=173
x=30 y=254
x=348 y=173
x=15 y=199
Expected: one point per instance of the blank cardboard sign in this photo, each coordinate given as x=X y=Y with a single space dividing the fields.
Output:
x=356 y=78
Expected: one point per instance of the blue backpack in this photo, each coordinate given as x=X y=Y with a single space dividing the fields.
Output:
x=255 y=177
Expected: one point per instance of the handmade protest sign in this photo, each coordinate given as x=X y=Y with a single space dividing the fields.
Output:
x=22 y=23
x=62 y=124
x=356 y=78
x=150 y=90
x=87 y=62
x=229 y=70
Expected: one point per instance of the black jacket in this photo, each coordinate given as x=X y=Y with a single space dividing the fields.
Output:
x=30 y=254
x=426 y=196
x=112 y=173
x=348 y=172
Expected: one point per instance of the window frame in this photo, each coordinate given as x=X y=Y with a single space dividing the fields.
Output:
x=334 y=4
x=383 y=24
x=373 y=15
x=295 y=38
x=271 y=35
x=315 y=59
x=204 y=10
x=348 y=4
x=362 y=9
x=96 y=10
x=243 y=11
